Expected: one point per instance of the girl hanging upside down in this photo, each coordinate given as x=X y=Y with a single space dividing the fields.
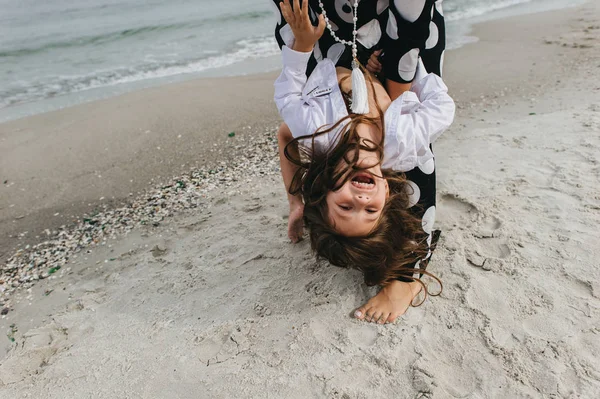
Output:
x=362 y=184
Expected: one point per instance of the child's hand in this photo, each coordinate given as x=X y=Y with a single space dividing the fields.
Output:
x=373 y=65
x=305 y=34
x=295 y=221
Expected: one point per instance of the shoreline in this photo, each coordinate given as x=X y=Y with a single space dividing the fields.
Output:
x=460 y=28
x=217 y=301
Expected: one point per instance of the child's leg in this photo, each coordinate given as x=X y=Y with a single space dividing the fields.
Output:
x=288 y=170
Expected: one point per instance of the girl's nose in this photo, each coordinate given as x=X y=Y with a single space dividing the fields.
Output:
x=362 y=198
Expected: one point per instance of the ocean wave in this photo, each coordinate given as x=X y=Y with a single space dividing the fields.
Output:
x=95 y=40
x=251 y=48
x=471 y=12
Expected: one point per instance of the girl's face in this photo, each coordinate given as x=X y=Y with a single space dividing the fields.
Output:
x=355 y=208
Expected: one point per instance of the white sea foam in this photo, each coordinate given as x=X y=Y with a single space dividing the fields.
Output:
x=481 y=9
x=146 y=53
x=247 y=49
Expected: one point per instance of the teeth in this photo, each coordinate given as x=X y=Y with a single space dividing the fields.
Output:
x=363 y=184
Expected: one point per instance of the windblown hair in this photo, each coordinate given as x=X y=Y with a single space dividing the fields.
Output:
x=393 y=248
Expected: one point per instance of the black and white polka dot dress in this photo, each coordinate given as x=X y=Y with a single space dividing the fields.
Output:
x=403 y=29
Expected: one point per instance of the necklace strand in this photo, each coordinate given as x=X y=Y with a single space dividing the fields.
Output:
x=354 y=32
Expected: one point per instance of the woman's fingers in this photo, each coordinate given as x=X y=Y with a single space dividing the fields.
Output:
x=321 y=27
x=297 y=10
x=286 y=11
x=298 y=19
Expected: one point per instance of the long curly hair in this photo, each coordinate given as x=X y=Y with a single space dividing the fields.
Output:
x=396 y=248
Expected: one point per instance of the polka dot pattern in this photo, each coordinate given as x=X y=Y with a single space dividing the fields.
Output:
x=277 y=13
x=382 y=5
x=397 y=27
x=335 y=52
x=344 y=10
x=428 y=255
x=428 y=219
x=434 y=36
x=408 y=64
x=392 y=27
x=369 y=34
x=317 y=52
x=334 y=27
x=313 y=15
x=428 y=167
x=410 y=10
x=438 y=7
x=414 y=193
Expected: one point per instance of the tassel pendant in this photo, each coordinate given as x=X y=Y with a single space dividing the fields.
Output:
x=360 y=95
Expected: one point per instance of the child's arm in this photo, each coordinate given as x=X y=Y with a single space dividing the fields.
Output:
x=303 y=113
x=288 y=170
x=411 y=125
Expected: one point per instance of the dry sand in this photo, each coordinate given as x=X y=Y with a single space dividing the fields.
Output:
x=225 y=307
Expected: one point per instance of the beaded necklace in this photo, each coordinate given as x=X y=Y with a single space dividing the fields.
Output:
x=360 y=99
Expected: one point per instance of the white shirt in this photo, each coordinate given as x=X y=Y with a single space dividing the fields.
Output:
x=412 y=122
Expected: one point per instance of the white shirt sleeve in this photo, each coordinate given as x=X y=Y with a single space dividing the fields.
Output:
x=415 y=120
x=301 y=115
x=307 y=105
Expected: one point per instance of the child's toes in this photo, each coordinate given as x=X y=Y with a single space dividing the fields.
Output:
x=384 y=318
x=361 y=312
x=392 y=317
x=376 y=315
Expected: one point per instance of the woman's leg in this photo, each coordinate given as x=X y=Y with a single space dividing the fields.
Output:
x=423 y=178
x=405 y=37
x=433 y=54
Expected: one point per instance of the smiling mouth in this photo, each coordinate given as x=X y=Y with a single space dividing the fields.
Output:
x=363 y=181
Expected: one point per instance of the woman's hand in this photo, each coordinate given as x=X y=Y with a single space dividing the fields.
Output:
x=305 y=34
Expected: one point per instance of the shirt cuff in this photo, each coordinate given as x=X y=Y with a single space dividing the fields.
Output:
x=295 y=60
x=430 y=85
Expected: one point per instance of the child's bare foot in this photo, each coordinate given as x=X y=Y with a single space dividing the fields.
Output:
x=392 y=301
x=295 y=223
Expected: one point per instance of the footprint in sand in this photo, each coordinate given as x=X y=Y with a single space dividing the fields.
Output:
x=487 y=227
x=365 y=335
x=456 y=212
x=487 y=253
x=222 y=343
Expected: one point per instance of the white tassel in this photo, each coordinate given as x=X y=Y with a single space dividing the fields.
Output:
x=360 y=95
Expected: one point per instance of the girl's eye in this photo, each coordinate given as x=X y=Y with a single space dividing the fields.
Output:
x=371 y=210
x=344 y=207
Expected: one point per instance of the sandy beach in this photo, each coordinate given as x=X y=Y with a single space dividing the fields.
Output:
x=208 y=299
